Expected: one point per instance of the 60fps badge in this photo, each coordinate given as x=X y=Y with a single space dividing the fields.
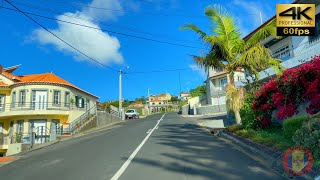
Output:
x=295 y=19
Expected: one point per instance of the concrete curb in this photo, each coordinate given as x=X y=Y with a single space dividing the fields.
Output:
x=266 y=156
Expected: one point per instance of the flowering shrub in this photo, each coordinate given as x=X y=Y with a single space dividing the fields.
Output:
x=286 y=93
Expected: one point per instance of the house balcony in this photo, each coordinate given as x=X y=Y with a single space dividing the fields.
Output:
x=292 y=57
x=34 y=108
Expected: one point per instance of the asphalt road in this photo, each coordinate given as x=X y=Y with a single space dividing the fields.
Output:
x=139 y=150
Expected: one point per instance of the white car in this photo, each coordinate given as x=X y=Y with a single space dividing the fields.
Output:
x=132 y=113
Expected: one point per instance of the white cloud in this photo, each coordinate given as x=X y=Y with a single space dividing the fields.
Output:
x=105 y=9
x=201 y=71
x=93 y=42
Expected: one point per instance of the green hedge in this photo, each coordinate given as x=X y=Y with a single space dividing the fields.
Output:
x=290 y=126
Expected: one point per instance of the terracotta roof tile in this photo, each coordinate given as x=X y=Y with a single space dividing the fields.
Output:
x=184 y=93
x=49 y=78
x=11 y=76
x=218 y=74
x=156 y=100
x=161 y=95
x=3 y=84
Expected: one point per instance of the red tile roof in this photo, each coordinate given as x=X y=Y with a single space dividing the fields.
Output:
x=11 y=76
x=156 y=100
x=46 y=78
x=184 y=93
x=162 y=95
x=3 y=84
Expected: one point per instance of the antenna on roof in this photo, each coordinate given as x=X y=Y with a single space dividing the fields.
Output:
x=260 y=17
x=12 y=68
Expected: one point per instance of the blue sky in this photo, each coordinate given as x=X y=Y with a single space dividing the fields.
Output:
x=23 y=42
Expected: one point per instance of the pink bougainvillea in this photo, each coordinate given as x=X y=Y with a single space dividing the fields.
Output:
x=286 y=93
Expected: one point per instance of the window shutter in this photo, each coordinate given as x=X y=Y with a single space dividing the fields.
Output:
x=77 y=101
x=82 y=104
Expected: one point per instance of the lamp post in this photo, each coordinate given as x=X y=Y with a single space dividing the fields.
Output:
x=120 y=91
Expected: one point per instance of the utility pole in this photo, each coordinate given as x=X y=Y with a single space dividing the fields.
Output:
x=180 y=81
x=120 y=93
x=260 y=18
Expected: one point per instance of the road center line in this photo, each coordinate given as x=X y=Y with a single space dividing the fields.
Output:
x=135 y=152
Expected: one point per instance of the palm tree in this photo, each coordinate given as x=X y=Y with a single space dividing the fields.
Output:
x=228 y=51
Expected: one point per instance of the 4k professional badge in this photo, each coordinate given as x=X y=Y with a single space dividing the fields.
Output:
x=295 y=19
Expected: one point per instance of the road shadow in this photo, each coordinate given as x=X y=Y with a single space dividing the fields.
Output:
x=226 y=121
x=197 y=154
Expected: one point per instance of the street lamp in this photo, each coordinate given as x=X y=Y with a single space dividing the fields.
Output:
x=120 y=91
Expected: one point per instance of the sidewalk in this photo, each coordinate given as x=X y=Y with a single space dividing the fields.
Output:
x=211 y=121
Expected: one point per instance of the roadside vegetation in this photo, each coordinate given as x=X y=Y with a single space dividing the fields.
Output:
x=229 y=52
x=198 y=91
x=270 y=114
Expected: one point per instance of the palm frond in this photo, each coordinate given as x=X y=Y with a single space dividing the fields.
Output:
x=258 y=58
x=276 y=66
x=208 y=62
x=196 y=29
x=263 y=33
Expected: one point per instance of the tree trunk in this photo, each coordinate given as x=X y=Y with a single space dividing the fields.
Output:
x=238 y=117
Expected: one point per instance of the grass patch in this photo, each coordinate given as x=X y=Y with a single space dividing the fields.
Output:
x=234 y=128
x=273 y=137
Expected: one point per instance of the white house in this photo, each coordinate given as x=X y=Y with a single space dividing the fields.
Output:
x=293 y=50
x=184 y=96
x=216 y=83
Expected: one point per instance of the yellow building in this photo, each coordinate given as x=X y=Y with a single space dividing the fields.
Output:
x=164 y=97
x=36 y=103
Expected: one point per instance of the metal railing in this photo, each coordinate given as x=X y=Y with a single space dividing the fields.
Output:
x=28 y=106
x=76 y=125
x=4 y=139
x=25 y=138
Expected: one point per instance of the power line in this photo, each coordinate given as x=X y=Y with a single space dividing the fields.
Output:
x=113 y=32
x=119 y=10
x=159 y=71
x=56 y=12
x=60 y=38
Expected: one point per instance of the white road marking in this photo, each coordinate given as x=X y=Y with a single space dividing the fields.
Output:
x=149 y=131
x=135 y=152
x=157 y=127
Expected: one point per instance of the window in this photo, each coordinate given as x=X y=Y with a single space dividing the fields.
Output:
x=282 y=53
x=79 y=102
x=13 y=101
x=56 y=97
x=153 y=104
x=223 y=83
x=239 y=78
x=1 y=128
x=67 y=99
x=20 y=126
x=2 y=102
x=22 y=98
x=317 y=30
